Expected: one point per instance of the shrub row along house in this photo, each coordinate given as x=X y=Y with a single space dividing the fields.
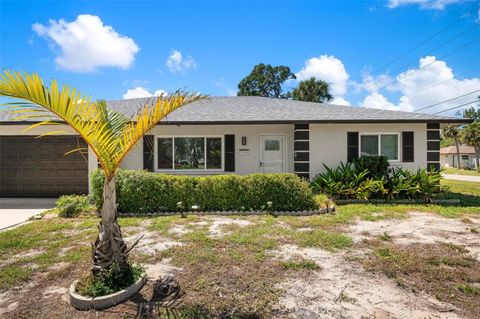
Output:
x=223 y=135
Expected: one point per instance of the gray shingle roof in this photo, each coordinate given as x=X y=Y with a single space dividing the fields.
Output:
x=251 y=109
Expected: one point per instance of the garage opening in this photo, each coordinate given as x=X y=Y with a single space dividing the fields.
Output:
x=37 y=167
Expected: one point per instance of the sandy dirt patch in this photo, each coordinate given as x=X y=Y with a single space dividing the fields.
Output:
x=344 y=289
x=422 y=228
x=215 y=230
x=54 y=290
x=151 y=244
x=160 y=269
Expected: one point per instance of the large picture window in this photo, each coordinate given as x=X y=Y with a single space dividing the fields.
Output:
x=384 y=144
x=189 y=153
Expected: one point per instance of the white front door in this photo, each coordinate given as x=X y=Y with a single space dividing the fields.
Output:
x=271 y=154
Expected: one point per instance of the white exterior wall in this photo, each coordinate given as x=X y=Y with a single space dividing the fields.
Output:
x=19 y=130
x=244 y=164
x=450 y=160
x=446 y=160
x=328 y=143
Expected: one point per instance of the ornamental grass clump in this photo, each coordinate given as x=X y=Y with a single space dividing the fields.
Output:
x=372 y=178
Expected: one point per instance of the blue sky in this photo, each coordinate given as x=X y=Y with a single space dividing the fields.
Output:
x=107 y=48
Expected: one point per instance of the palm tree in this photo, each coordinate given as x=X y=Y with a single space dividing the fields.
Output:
x=312 y=90
x=452 y=131
x=109 y=134
x=471 y=135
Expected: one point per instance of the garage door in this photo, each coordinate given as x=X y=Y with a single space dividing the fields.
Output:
x=37 y=167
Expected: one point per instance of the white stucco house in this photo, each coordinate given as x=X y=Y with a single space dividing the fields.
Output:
x=223 y=135
x=449 y=156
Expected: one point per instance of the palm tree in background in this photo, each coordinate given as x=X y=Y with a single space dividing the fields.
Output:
x=453 y=132
x=109 y=134
x=312 y=90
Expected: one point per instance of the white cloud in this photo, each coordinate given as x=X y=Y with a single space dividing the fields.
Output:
x=424 y=4
x=139 y=92
x=177 y=63
x=87 y=44
x=419 y=87
x=339 y=101
x=329 y=69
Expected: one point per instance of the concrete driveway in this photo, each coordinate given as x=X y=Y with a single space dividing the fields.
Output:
x=465 y=178
x=14 y=211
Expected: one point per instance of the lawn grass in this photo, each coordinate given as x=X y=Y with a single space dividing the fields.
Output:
x=239 y=266
x=33 y=248
x=297 y=264
x=456 y=171
x=459 y=188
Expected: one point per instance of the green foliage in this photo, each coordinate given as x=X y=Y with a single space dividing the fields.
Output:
x=312 y=90
x=265 y=80
x=377 y=166
x=145 y=192
x=370 y=178
x=446 y=141
x=469 y=289
x=471 y=136
x=471 y=113
x=109 y=281
x=71 y=205
x=300 y=264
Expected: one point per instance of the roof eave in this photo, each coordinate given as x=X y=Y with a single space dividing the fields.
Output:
x=347 y=121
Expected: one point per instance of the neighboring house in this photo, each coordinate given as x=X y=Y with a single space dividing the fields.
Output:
x=221 y=135
x=449 y=156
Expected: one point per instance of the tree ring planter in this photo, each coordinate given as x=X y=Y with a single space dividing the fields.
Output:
x=103 y=302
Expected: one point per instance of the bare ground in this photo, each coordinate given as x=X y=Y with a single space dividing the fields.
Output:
x=341 y=288
x=344 y=289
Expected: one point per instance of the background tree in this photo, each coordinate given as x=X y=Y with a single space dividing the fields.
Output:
x=453 y=132
x=312 y=90
x=471 y=112
x=107 y=132
x=265 y=80
x=471 y=136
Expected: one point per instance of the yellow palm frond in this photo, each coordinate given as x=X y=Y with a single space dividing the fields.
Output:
x=108 y=133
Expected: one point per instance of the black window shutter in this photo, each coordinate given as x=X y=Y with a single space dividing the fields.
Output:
x=148 y=152
x=407 y=147
x=229 y=153
x=352 y=146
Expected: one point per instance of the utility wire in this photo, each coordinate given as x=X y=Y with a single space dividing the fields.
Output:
x=419 y=45
x=438 y=47
x=429 y=106
x=445 y=81
x=456 y=107
x=429 y=64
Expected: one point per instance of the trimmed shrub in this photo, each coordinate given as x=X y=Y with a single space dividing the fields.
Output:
x=72 y=205
x=146 y=192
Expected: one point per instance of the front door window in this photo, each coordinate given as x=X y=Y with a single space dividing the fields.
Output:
x=271 y=154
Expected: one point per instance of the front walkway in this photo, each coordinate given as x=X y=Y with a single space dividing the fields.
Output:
x=465 y=178
x=14 y=211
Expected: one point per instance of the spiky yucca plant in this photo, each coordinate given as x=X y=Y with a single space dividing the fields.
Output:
x=109 y=134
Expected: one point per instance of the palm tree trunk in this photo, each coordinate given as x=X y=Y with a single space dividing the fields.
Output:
x=109 y=248
x=477 y=158
x=458 y=152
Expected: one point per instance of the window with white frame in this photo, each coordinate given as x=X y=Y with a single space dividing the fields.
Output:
x=384 y=144
x=189 y=153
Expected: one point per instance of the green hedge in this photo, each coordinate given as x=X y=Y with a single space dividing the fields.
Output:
x=145 y=192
